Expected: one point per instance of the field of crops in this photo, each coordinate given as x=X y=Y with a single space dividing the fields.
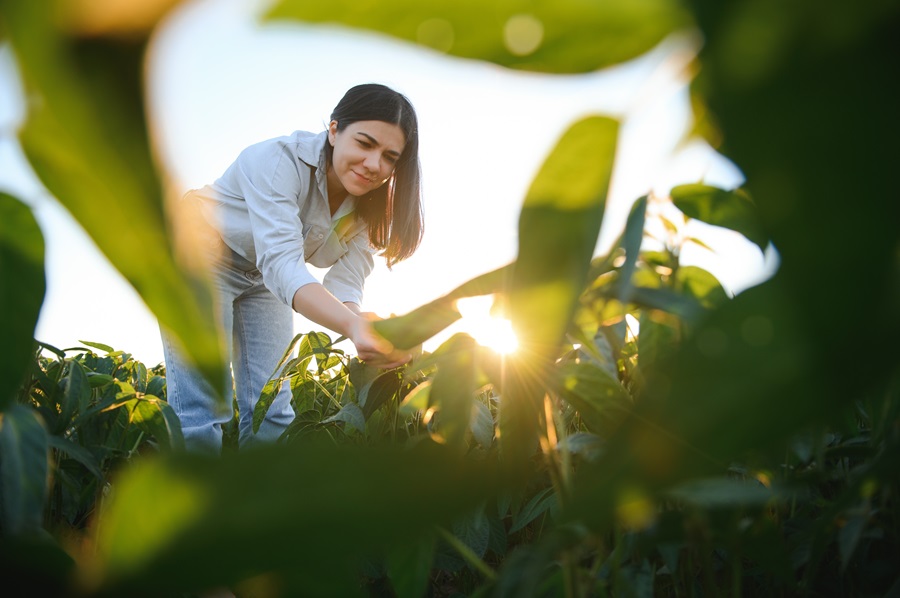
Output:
x=650 y=436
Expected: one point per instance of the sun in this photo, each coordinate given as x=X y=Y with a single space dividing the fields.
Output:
x=488 y=331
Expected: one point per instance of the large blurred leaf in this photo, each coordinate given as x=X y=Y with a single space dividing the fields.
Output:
x=424 y=322
x=730 y=209
x=558 y=229
x=774 y=359
x=567 y=36
x=23 y=470
x=804 y=96
x=301 y=513
x=21 y=291
x=86 y=138
x=453 y=388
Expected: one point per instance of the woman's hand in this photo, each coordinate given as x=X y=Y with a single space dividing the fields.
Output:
x=372 y=348
x=315 y=303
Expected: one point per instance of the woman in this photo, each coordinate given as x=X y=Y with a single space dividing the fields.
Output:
x=330 y=199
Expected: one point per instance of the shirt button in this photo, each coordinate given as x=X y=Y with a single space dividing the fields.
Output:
x=320 y=236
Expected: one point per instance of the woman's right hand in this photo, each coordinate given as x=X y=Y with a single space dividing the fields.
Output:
x=372 y=348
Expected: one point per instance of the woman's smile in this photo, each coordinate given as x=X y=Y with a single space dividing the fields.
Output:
x=365 y=154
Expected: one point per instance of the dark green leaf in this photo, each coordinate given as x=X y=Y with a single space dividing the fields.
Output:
x=600 y=399
x=378 y=392
x=473 y=530
x=631 y=243
x=482 y=424
x=23 y=470
x=227 y=518
x=75 y=398
x=78 y=453
x=22 y=288
x=722 y=493
x=409 y=567
x=534 y=508
x=351 y=414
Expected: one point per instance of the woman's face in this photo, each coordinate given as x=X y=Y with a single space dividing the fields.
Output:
x=365 y=153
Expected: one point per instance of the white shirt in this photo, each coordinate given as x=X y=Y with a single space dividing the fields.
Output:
x=271 y=207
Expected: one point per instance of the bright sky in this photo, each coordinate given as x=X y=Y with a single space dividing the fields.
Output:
x=219 y=81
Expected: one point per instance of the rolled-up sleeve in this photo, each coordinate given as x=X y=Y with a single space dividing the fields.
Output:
x=269 y=183
x=346 y=278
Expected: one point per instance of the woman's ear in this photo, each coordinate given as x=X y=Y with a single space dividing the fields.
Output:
x=332 y=131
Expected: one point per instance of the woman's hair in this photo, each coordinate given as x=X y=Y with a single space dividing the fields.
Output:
x=393 y=211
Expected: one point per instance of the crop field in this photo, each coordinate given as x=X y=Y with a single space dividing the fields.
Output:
x=649 y=435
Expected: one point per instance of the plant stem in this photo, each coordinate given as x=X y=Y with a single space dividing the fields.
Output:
x=466 y=553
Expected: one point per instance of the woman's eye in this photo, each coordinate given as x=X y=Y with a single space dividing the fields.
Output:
x=390 y=159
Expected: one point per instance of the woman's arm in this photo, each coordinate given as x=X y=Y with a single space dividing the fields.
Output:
x=313 y=301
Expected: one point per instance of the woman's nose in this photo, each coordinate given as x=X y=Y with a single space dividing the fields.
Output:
x=372 y=162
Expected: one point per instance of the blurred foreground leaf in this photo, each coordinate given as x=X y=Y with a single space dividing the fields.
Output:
x=302 y=514
x=729 y=209
x=568 y=36
x=558 y=229
x=86 y=138
x=21 y=291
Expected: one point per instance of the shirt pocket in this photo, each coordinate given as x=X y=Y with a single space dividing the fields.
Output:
x=329 y=249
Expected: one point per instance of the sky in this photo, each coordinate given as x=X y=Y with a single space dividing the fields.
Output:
x=219 y=80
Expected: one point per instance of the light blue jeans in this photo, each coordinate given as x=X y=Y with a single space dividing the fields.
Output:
x=257 y=328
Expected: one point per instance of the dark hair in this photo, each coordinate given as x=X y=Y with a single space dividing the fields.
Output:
x=393 y=212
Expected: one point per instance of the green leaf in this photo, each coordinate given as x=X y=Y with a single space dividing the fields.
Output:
x=419 y=325
x=585 y=444
x=473 y=530
x=78 y=453
x=534 y=508
x=418 y=399
x=600 y=398
x=23 y=470
x=560 y=37
x=701 y=285
x=482 y=424
x=453 y=388
x=157 y=386
x=105 y=348
x=86 y=138
x=849 y=536
x=655 y=340
x=409 y=567
x=378 y=392
x=729 y=209
x=75 y=398
x=558 y=226
x=722 y=493
x=228 y=518
x=157 y=417
x=631 y=243
x=351 y=414
x=22 y=289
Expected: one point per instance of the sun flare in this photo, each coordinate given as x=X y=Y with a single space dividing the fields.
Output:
x=488 y=331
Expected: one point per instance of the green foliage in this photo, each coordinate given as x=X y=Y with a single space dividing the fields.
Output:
x=22 y=292
x=560 y=37
x=652 y=435
x=86 y=138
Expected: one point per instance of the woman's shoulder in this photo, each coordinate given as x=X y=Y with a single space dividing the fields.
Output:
x=304 y=145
